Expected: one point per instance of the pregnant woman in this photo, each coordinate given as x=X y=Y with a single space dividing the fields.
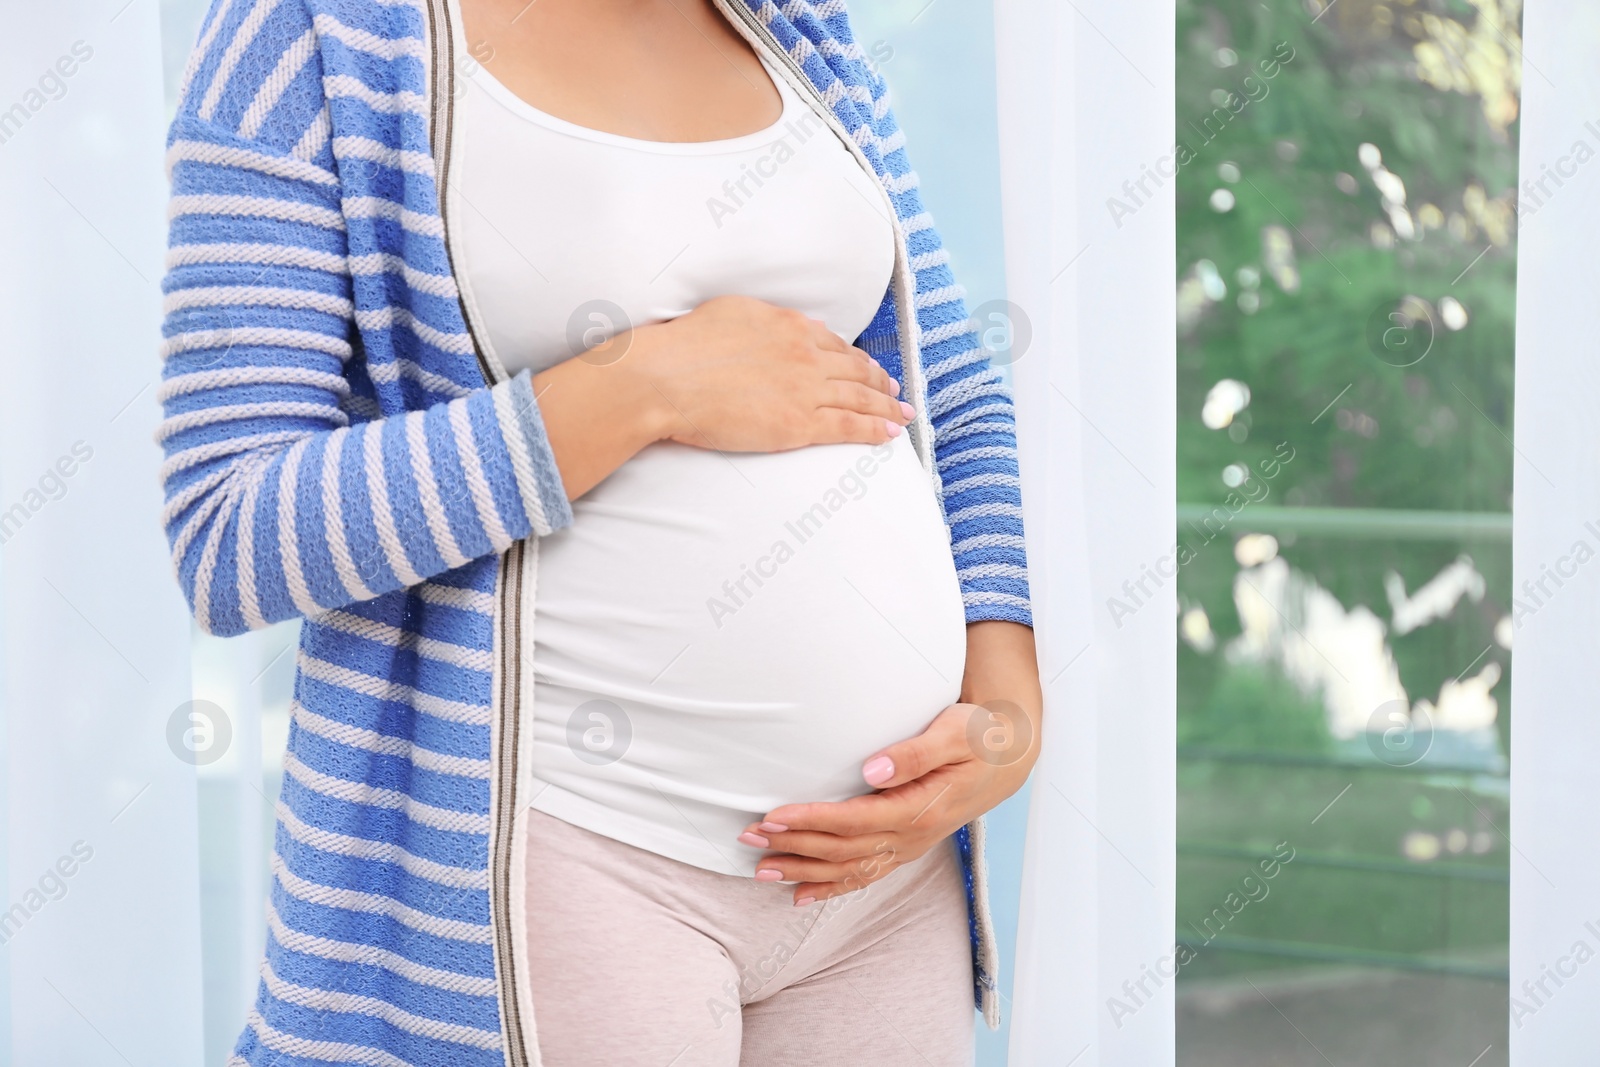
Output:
x=588 y=377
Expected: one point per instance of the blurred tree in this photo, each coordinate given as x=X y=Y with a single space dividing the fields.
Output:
x=1346 y=241
x=1347 y=218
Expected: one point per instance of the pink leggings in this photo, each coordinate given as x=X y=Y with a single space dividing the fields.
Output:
x=642 y=961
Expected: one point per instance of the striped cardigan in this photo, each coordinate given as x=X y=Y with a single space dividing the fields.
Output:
x=337 y=450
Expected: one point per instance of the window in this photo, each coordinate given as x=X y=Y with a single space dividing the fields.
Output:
x=1346 y=295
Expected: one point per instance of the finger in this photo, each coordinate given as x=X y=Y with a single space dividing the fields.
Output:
x=862 y=816
x=853 y=396
x=855 y=874
x=832 y=426
x=807 y=893
x=861 y=877
x=825 y=338
x=880 y=377
x=860 y=361
x=943 y=742
x=811 y=843
x=854 y=365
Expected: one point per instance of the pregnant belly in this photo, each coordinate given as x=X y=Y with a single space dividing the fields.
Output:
x=736 y=632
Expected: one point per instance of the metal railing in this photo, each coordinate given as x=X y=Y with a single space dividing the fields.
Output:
x=1359 y=523
x=1351 y=524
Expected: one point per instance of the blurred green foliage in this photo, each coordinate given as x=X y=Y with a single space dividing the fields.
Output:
x=1431 y=435
x=1254 y=708
x=1303 y=290
x=1316 y=273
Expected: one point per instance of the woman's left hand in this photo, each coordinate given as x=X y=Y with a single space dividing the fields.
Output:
x=974 y=755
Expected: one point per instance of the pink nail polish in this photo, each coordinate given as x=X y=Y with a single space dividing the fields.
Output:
x=772 y=828
x=803 y=901
x=894 y=387
x=909 y=411
x=894 y=428
x=754 y=840
x=878 y=770
x=767 y=874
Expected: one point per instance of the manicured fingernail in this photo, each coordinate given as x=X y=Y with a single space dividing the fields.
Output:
x=894 y=387
x=754 y=840
x=878 y=770
x=772 y=827
x=803 y=901
x=908 y=411
x=767 y=874
x=894 y=428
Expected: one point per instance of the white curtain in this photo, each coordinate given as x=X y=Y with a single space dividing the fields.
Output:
x=101 y=931
x=1085 y=103
x=1555 y=731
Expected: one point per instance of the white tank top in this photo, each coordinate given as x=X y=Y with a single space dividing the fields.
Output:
x=716 y=635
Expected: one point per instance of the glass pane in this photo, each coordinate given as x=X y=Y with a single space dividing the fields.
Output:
x=1346 y=253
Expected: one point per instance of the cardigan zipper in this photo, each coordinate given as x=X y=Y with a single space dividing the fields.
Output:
x=504 y=711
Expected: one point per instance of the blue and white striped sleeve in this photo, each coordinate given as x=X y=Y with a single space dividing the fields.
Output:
x=278 y=502
x=969 y=403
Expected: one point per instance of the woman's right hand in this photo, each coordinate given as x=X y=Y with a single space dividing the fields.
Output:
x=735 y=374
x=738 y=374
